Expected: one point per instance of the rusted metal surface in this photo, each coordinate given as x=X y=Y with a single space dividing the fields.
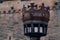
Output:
x=33 y=14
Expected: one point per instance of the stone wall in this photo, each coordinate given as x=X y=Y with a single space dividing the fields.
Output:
x=12 y=25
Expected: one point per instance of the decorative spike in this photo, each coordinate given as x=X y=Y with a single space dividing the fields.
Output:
x=32 y=5
x=24 y=8
x=42 y=4
x=42 y=7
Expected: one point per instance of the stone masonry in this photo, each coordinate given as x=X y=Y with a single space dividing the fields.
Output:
x=11 y=25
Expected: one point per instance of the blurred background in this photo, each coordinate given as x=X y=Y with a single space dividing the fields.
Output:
x=11 y=25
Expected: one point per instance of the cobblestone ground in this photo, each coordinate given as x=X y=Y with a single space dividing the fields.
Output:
x=12 y=25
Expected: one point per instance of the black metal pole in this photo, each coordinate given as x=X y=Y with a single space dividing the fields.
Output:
x=34 y=38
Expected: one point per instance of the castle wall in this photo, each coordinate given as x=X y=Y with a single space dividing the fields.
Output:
x=13 y=26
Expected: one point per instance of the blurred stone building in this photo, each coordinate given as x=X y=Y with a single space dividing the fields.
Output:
x=11 y=25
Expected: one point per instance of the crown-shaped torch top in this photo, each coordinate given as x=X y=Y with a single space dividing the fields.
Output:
x=37 y=14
